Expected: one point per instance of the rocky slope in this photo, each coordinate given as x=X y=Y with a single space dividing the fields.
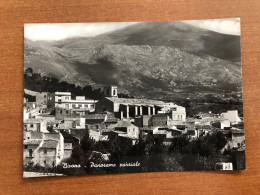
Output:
x=146 y=59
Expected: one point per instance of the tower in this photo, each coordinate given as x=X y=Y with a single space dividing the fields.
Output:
x=111 y=91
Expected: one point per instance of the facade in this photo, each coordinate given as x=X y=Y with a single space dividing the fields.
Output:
x=45 y=149
x=41 y=98
x=64 y=100
x=36 y=125
x=130 y=107
x=231 y=116
x=110 y=91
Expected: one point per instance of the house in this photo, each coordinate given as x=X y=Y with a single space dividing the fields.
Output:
x=123 y=132
x=128 y=128
x=64 y=100
x=161 y=120
x=41 y=98
x=94 y=121
x=178 y=113
x=231 y=116
x=37 y=124
x=238 y=138
x=142 y=121
x=224 y=124
x=45 y=149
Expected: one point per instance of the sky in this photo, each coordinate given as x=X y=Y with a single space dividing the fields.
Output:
x=58 y=31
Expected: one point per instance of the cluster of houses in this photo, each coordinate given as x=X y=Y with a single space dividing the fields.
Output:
x=111 y=118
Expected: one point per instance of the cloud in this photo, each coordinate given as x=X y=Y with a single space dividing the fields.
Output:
x=66 y=30
x=226 y=26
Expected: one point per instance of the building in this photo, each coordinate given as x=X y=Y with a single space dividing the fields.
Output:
x=161 y=120
x=35 y=124
x=110 y=91
x=41 y=98
x=231 y=116
x=64 y=100
x=45 y=149
x=129 y=107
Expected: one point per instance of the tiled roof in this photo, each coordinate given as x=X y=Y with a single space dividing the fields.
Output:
x=32 y=142
x=95 y=116
x=67 y=146
x=50 y=144
x=112 y=120
x=122 y=123
x=135 y=101
x=52 y=136
x=33 y=120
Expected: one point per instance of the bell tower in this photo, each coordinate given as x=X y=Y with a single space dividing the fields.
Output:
x=111 y=91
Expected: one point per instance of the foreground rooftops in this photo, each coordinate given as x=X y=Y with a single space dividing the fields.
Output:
x=50 y=144
x=32 y=142
x=34 y=120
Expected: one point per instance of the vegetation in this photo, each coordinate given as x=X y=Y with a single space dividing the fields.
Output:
x=184 y=153
x=38 y=83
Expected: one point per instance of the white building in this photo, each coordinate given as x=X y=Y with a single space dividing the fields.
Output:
x=63 y=100
x=231 y=116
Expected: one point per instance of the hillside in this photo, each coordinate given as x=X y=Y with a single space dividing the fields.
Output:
x=152 y=59
x=169 y=34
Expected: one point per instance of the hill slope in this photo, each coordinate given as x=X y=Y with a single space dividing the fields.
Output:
x=169 y=34
x=146 y=59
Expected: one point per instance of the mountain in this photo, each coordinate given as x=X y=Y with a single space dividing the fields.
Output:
x=63 y=42
x=169 y=34
x=154 y=59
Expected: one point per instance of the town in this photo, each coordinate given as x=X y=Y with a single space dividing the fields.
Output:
x=53 y=117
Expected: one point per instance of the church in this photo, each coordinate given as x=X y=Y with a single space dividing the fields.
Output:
x=132 y=107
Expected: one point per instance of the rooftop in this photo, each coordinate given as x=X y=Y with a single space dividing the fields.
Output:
x=34 y=120
x=32 y=142
x=52 y=136
x=122 y=123
x=50 y=144
x=133 y=101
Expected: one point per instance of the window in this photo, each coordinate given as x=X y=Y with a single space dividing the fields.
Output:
x=59 y=101
x=96 y=126
x=30 y=152
x=44 y=96
x=45 y=151
x=25 y=147
x=28 y=137
x=44 y=162
x=67 y=98
x=114 y=92
x=238 y=144
x=67 y=112
x=60 y=111
x=31 y=125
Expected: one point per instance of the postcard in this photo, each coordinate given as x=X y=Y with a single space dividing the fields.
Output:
x=128 y=97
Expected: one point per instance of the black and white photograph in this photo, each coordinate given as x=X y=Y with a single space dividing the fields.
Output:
x=132 y=97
